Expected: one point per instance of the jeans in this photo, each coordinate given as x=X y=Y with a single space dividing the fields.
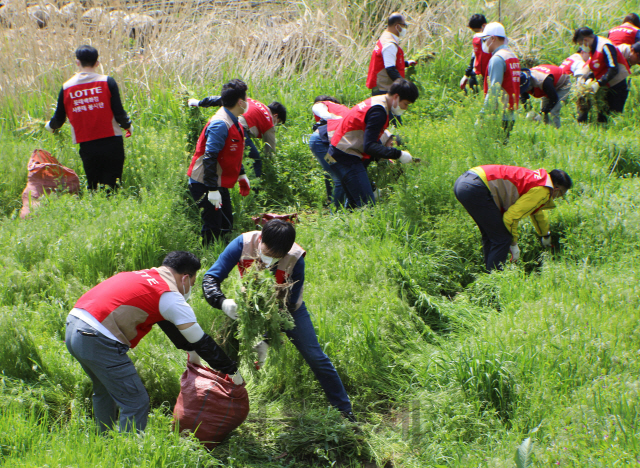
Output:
x=476 y=198
x=563 y=95
x=116 y=383
x=253 y=154
x=320 y=148
x=355 y=182
x=103 y=161
x=303 y=336
x=215 y=223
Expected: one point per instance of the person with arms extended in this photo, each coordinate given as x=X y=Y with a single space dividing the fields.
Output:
x=498 y=197
x=115 y=315
x=479 y=58
x=628 y=32
x=357 y=139
x=502 y=84
x=258 y=121
x=92 y=103
x=387 y=62
x=548 y=83
x=216 y=165
x=610 y=71
x=274 y=248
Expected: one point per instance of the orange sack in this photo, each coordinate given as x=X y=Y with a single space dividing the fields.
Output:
x=210 y=405
x=45 y=175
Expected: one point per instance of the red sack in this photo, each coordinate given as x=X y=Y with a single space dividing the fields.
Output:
x=45 y=175
x=210 y=404
x=264 y=217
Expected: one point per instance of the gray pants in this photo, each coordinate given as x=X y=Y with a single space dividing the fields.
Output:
x=476 y=198
x=563 y=95
x=116 y=383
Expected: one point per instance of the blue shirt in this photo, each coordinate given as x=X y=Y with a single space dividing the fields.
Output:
x=495 y=75
x=230 y=257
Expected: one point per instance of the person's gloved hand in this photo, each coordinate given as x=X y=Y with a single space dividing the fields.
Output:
x=230 y=308
x=48 y=128
x=473 y=81
x=411 y=63
x=237 y=378
x=546 y=240
x=215 y=199
x=194 y=358
x=463 y=82
x=193 y=102
x=261 y=349
x=405 y=157
x=245 y=186
x=515 y=253
x=129 y=131
x=595 y=86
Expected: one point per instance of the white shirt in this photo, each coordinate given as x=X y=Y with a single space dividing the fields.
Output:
x=390 y=52
x=172 y=307
x=321 y=111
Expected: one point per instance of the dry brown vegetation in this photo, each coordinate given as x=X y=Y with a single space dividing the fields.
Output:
x=200 y=41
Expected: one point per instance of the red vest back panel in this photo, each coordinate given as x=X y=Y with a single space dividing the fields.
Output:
x=355 y=121
x=133 y=297
x=623 y=34
x=524 y=179
x=87 y=102
x=258 y=115
x=376 y=65
x=510 y=79
x=481 y=63
x=547 y=70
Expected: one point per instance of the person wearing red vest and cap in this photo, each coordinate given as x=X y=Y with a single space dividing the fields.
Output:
x=479 y=59
x=498 y=197
x=502 y=83
x=610 y=71
x=387 y=62
x=274 y=248
x=258 y=121
x=356 y=140
x=216 y=165
x=549 y=83
x=115 y=315
x=628 y=32
x=92 y=103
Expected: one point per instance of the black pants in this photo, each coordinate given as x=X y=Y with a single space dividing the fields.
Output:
x=103 y=160
x=615 y=97
x=476 y=198
x=215 y=223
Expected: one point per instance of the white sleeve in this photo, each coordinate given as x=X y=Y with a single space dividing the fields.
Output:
x=175 y=309
x=322 y=111
x=389 y=54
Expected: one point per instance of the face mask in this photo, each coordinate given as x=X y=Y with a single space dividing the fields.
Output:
x=396 y=109
x=245 y=108
x=266 y=259
x=186 y=295
x=485 y=47
x=402 y=33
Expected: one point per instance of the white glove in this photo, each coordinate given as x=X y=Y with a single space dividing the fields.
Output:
x=546 y=240
x=261 y=348
x=237 y=378
x=405 y=157
x=193 y=102
x=48 y=128
x=463 y=82
x=595 y=86
x=230 y=308
x=515 y=253
x=215 y=199
x=129 y=131
x=411 y=63
x=194 y=358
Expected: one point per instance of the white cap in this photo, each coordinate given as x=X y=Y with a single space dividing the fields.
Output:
x=495 y=29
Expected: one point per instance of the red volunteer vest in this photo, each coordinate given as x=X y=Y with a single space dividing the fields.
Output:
x=355 y=121
x=229 y=158
x=510 y=79
x=258 y=115
x=567 y=63
x=623 y=34
x=547 y=70
x=129 y=301
x=598 y=62
x=481 y=62
x=524 y=179
x=250 y=252
x=87 y=102
x=335 y=109
x=376 y=65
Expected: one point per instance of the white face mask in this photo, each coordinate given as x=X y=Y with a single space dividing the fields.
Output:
x=396 y=109
x=245 y=108
x=402 y=33
x=485 y=47
x=268 y=261
x=186 y=295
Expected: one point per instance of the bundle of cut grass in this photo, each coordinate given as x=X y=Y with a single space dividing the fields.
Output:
x=587 y=100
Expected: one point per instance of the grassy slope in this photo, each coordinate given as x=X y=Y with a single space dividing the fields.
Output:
x=446 y=366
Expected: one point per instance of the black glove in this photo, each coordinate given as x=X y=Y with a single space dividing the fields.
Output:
x=211 y=101
x=473 y=81
x=217 y=359
x=319 y=124
x=524 y=97
x=212 y=292
x=175 y=335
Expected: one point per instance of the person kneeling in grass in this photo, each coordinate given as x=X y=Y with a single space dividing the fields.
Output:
x=115 y=315
x=498 y=197
x=274 y=248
